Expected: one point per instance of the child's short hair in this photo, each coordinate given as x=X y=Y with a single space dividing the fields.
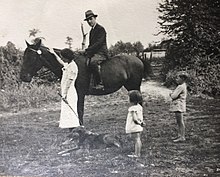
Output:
x=135 y=97
x=183 y=74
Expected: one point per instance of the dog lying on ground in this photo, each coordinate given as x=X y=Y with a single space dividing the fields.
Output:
x=89 y=140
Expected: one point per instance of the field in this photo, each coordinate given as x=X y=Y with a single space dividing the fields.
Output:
x=30 y=140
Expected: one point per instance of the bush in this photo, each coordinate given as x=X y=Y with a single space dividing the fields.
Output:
x=201 y=80
x=207 y=80
x=10 y=62
x=15 y=94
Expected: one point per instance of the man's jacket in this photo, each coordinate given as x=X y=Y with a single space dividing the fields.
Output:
x=97 y=42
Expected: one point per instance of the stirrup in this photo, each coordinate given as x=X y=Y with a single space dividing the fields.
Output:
x=99 y=87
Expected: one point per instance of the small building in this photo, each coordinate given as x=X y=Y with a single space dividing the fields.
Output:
x=155 y=53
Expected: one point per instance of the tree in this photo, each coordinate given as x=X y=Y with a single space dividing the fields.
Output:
x=129 y=48
x=1 y=67
x=126 y=48
x=192 y=27
x=118 y=48
x=10 y=65
x=37 y=39
x=33 y=32
x=138 y=47
x=69 y=41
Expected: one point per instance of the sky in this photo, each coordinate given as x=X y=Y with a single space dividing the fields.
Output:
x=125 y=20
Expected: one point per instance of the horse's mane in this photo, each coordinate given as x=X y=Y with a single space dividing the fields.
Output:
x=57 y=51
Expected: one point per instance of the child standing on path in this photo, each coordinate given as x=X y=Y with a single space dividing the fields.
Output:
x=178 y=104
x=134 y=122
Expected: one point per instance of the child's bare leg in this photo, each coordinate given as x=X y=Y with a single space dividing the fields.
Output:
x=181 y=127
x=178 y=124
x=138 y=144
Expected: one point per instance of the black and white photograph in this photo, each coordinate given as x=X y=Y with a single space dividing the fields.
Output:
x=109 y=88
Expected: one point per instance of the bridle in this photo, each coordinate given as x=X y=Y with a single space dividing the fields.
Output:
x=39 y=54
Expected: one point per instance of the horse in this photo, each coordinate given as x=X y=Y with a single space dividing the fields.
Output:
x=117 y=71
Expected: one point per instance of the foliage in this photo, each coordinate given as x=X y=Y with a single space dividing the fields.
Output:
x=193 y=28
x=37 y=39
x=69 y=42
x=153 y=46
x=33 y=32
x=199 y=81
x=126 y=48
x=28 y=95
x=10 y=60
x=138 y=47
x=15 y=94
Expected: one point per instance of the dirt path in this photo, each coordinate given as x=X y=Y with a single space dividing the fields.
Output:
x=30 y=140
x=155 y=90
x=150 y=89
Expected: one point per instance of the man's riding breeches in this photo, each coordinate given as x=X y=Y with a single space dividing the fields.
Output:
x=97 y=60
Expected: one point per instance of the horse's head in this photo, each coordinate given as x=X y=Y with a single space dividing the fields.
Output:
x=36 y=56
x=31 y=61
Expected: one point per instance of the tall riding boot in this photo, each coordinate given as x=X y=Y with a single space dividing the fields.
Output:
x=99 y=84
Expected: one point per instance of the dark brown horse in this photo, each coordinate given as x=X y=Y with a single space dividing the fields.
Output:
x=121 y=70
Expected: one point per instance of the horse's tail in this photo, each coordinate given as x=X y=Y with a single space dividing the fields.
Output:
x=148 y=72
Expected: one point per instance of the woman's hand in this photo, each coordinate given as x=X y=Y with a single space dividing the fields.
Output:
x=82 y=51
x=64 y=97
x=50 y=49
x=170 y=95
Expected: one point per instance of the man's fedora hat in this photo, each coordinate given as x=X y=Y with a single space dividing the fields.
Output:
x=89 y=14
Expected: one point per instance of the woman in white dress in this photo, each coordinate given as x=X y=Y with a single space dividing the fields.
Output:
x=68 y=117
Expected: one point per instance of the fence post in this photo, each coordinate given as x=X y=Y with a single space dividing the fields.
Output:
x=1 y=68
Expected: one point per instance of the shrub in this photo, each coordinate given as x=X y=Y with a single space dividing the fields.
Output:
x=201 y=80
x=15 y=94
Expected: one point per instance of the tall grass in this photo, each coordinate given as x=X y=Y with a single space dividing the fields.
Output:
x=28 y=95
x=16 y=95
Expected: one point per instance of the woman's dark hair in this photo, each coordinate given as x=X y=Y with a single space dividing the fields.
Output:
x=67 y=53
x=135 y=97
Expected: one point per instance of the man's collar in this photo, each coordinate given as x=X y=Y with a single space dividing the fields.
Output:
x=94 y=26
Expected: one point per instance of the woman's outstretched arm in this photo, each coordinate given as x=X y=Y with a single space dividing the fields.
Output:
x=57 y=56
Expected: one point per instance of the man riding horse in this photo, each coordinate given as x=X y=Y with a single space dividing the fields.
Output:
x=125 y=70
x=97 y=50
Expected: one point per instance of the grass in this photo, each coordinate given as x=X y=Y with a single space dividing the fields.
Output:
x=28 y=95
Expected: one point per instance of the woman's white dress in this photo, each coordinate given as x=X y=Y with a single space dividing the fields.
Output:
x=68 y=118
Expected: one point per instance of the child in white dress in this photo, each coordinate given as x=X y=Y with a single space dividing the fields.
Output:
x=134 y=122
x=178 y=104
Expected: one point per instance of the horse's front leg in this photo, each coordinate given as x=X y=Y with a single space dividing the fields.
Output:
x=80 y=107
